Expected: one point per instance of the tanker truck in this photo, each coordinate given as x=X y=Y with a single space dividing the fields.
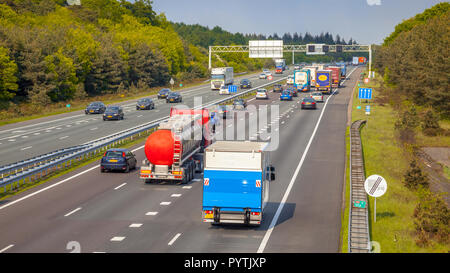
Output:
x=173 y=152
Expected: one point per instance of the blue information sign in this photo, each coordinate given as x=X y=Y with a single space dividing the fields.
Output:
x=365 y=93
x=232 y=88
x=367 y=108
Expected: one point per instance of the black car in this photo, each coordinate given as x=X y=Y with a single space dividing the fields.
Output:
x=239 y=104
x=174 y=97
x=309 y=103
x=113 y=112
x=246 y=83
x=97 y=107
x=277 y=88
x=145 y=104
x=163 y=93
x=224 y=111
x=118 y=159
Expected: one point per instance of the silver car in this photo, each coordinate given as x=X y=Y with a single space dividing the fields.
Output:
x=317 y=96
x=262 y=94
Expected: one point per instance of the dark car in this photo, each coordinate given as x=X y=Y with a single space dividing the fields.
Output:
x=246 y=83
x=113 y=112
x=224 y=111
x=97 y=107
x=145 y=104
x=163 y=93
x=239 y=104
x=174 y=97
x=118 y=159
x=293 y=91
x=277 y=88
x=309 y=103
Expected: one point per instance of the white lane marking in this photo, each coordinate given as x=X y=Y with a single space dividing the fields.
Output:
x=40 y=123
x=72 y=212
x=263 y=244
x=63 y=137
x=92 y=129
x=36 y=134
x=251 y=99
x=11 y=140
x=25 y=137
x=98 y=252
x=165 y=203
x=58 y=128
x=68 y=125
x=135 y=225
x=188 y=187
x=151 y=213
x=282 y=122
x=120 y=186
x=6 y=248
x=174 y=239
x=26 y=148
x=139 y=116
x=176 y=195
x=117 y=239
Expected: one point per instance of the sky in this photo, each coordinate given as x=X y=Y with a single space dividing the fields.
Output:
x=366 y=21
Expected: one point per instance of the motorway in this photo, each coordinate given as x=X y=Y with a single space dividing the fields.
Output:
x=116 y=212
x=28 y=139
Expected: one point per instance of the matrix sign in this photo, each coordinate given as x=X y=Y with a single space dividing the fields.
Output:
x=316 y=49
x=365 y=93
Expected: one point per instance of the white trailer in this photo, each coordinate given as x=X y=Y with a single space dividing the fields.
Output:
x=221 y=76
x=312 y=74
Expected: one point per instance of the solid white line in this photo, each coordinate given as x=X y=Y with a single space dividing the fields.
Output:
x=26 y=148
x=263 y=244
x=174 y=239
x=6 y=248
x=73 y=211
x=120 y=186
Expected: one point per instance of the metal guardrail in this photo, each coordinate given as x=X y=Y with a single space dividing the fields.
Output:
x=35 y=168
x=358 y=228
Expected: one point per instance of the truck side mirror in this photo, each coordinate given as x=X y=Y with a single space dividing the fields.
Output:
x=272 y=177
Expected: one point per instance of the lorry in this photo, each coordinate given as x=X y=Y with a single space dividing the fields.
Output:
x=280 y=64
x=343 y=67
x=312 y=74
x=355 y=61
x=302 y=80
x=221 y=76
x=336 y=75
x=173 y=151
x=324 y=79
x=236 y=182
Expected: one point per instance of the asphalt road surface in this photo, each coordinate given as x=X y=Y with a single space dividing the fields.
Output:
x=117 y=212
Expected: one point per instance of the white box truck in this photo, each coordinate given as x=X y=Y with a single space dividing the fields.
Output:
x=221 y=76
x=312 y=74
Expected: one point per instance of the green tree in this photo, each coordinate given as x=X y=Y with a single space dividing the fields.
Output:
x=61 y=76
x=8 y=79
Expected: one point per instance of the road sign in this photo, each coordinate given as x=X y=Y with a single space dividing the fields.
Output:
x=269 y=77
x=181 y=85
x=232 y=88
x=367 y=109
x=375 y=185
x=359 y=204
x=171 y=81
x=358 y=107
x=365 y=93
x=68 y=105
x=366 y=80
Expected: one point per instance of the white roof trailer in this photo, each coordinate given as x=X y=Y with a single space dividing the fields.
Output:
x=221 y=76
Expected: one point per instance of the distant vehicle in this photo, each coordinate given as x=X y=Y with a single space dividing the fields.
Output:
x=262 y=94
x=263 y=76
x=309 y=103
x=290 y=79
x=224 y=111
x=312 y=75
x=286 y=95
x=324 y=80
x=174 y=97
x=97 y=107
x=236 y=182
x=239 y=104
x=265 y=70
x=336 y=75
x=118 y=159
x=246 y=83
x=221 y=76
x=113 y=112
x=277 y=88
x=343 y=67
x=280 y=63
x=224 y=90
x=145 y=104
x=279 y=70
x=317 y=96
x=355 y=61
x=163 y=93
x=296 y=67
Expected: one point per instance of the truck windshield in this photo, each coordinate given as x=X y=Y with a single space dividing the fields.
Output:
x=217 y=77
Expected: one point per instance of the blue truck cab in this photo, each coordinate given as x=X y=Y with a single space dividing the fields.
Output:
x=236 y=182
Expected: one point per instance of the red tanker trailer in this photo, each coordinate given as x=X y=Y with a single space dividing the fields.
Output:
x=173 y=150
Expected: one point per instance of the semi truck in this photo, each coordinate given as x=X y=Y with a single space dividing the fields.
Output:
x=312 y=74
x=302 y=80
x=173 y=151
x=324 y=80
x=343 y=67
x=236 y=182
x=221 y=76
x=355 y=61
x=280 y=64
x=336 y=75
